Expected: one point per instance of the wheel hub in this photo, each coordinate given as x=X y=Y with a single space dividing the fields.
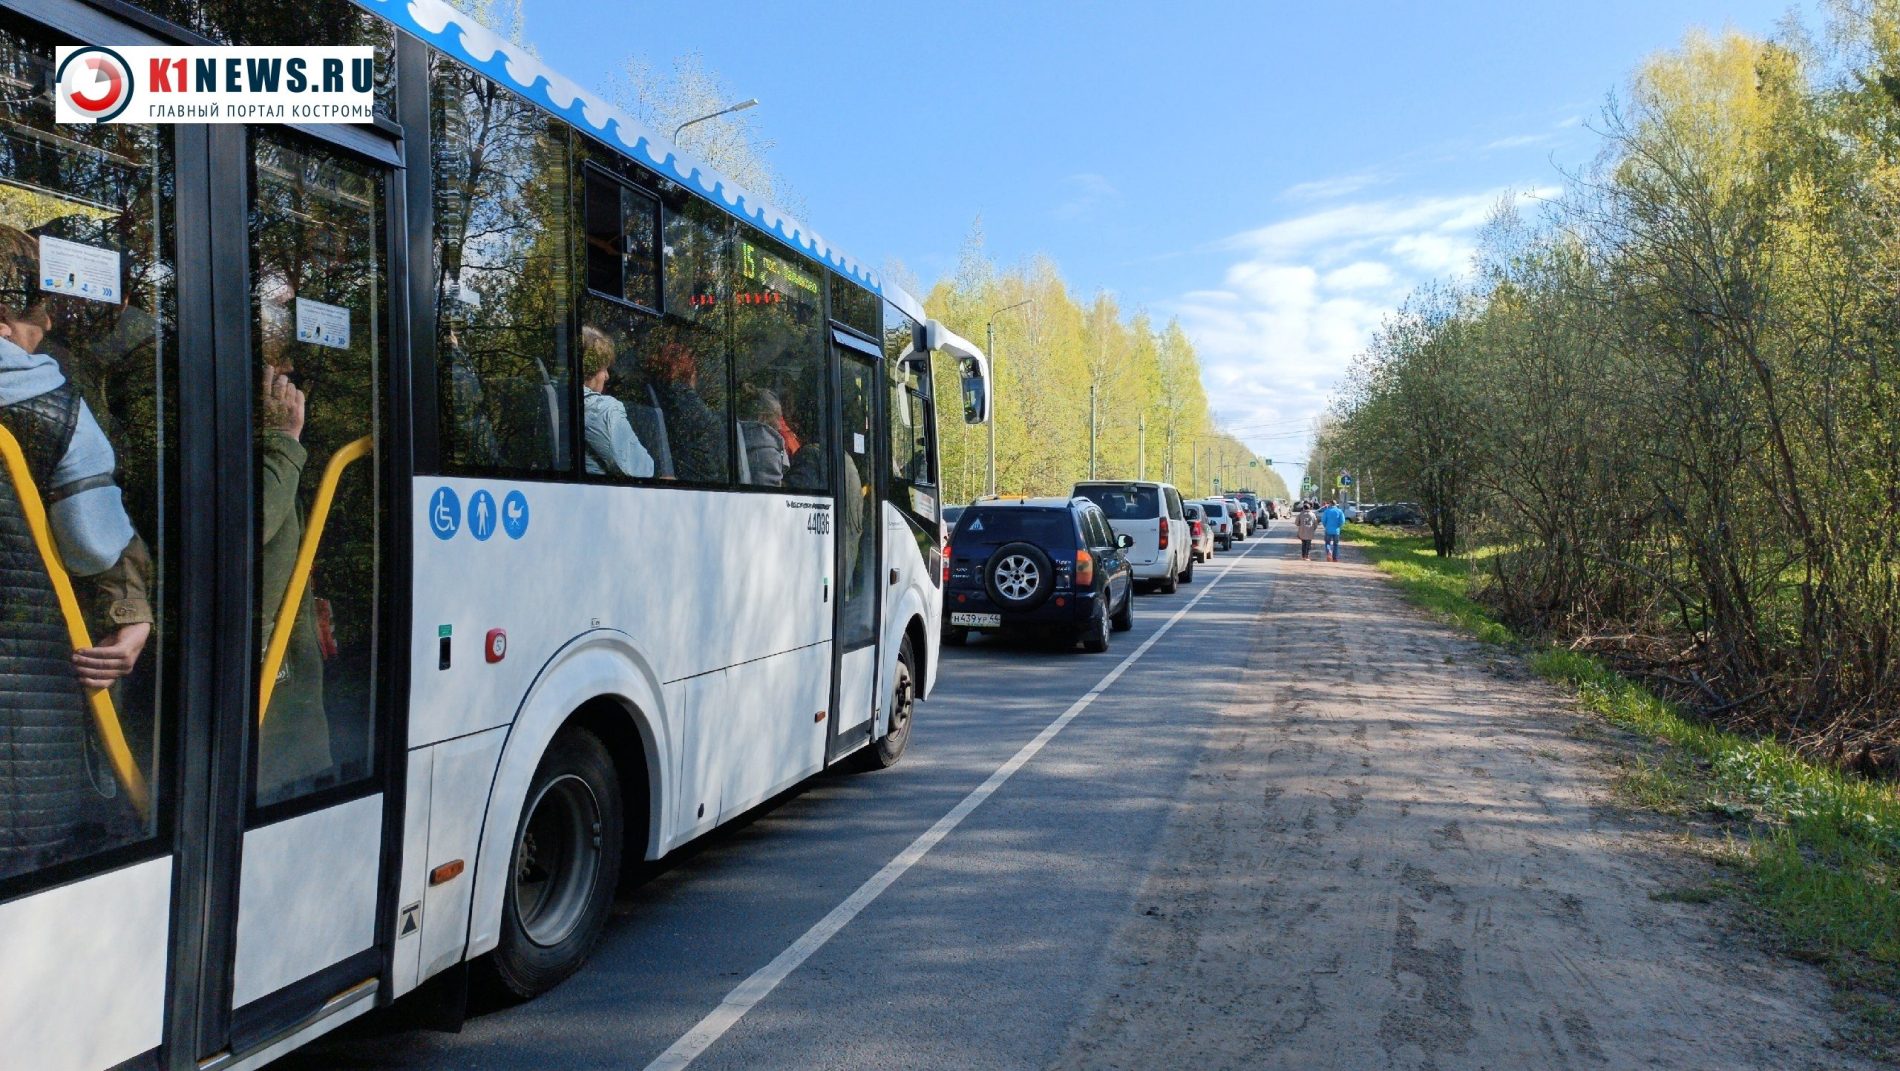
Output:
x=557 y=860
x=1017 y=577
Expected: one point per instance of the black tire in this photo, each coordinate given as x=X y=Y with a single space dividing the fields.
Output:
x=1124 y=618
x=571 y=835
x=956 y=637
x=887 y=749
x=1019 y=576
x=1170 y=584
x=1187 y=575
x=1095 y=635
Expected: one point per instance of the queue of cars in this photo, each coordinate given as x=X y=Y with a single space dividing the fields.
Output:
x=1069 y=568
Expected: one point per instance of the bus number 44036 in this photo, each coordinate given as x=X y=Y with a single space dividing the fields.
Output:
x=818 y=521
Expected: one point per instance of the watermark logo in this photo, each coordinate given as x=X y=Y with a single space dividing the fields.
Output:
x=93 y=82
x=215 y=84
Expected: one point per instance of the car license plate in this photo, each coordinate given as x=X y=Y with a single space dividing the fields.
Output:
x=977 y=620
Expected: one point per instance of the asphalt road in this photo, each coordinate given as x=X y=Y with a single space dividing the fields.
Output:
x=981 y=955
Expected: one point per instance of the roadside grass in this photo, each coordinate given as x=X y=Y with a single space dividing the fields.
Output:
x=1819 y=849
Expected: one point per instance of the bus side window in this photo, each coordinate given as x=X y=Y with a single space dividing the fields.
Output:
x=780 y=359
x=502 y=276
x=87 y=401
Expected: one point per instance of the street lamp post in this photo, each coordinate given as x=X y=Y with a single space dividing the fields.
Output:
x=995 y=382
x=752 y=102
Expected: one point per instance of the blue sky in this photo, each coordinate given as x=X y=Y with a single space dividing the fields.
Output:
x=1276 y=174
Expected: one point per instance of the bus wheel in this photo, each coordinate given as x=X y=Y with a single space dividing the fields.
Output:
x=884 y=753
x=565 y=864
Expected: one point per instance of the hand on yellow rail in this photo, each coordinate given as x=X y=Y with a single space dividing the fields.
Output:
x=104 y=714
x=300 y=573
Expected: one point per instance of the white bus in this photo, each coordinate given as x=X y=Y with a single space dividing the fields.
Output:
x=404 y=525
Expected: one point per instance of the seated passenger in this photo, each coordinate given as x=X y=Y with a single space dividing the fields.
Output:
x=699 y=436
x=764 y=439
x=612 y=447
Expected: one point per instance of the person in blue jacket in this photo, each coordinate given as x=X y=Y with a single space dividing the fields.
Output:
x=1332 y=518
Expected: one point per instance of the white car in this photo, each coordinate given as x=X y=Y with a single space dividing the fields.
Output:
x=1243 y=521
x=1150 y=513
x=1221 y=520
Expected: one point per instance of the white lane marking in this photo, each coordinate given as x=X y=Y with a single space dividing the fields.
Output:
x=754 y=989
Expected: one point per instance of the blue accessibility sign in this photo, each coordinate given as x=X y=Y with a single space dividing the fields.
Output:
x=445 y=513
x=514 y=514
x=481 y=515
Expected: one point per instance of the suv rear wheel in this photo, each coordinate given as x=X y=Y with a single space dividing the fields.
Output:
x=1171 y=583
x=1095 y=633
x=1019 y=576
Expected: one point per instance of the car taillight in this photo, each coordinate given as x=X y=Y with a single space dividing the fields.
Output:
x=1164 y=535
x=1084 y=569
x=946 y=562
x=1194 y=529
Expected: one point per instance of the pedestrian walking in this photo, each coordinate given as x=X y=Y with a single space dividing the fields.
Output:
x=1306 y=524
x=1333 y=519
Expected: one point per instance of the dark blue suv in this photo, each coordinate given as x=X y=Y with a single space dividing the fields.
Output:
x=1049 y=565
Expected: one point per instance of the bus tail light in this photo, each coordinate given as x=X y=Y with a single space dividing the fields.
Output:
x=1084 y=569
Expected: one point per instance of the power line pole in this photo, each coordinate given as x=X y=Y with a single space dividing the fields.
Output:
x=1141 y=447
x=1091 y=431
x=993 y=386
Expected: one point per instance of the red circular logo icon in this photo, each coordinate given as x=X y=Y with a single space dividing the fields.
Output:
x=95 y=82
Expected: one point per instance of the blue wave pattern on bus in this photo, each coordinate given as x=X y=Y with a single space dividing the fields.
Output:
x=482 y=49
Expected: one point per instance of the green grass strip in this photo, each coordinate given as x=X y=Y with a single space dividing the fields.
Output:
x=1821 y=846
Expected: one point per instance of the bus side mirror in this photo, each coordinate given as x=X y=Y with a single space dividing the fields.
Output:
x=976 y=393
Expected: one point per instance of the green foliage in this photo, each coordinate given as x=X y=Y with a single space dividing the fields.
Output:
x=1669 y=405
x=1054 y=354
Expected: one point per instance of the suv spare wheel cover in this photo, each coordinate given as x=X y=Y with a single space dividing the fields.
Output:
x=1019 y=576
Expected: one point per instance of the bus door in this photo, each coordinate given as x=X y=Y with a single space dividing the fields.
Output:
x=301 y=249
x=97 y=580
x=860 y=521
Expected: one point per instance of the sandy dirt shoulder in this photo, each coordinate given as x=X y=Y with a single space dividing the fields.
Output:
x=1399 y=851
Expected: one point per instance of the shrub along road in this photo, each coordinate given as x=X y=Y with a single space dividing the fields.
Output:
x=1308 y=828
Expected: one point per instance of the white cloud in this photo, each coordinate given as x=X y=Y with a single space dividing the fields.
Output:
x=1360 y=275
x=1337 y=186
x=1303 y=297
x=1518 y=141
x=1087 y=193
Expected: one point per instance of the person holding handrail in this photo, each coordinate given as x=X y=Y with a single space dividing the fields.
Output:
x=294 y=738
x=51 y=785
x=95 y=537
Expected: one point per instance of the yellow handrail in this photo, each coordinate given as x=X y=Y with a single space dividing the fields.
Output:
x=300 y=573
x=104 y=714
